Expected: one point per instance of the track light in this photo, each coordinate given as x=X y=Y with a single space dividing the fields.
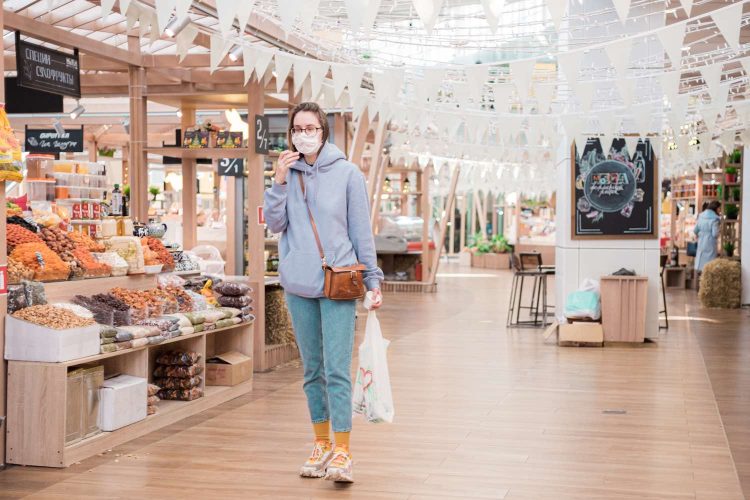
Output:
x=78 y=111
x=236 y=53
x=58 y=126
x=178 y=113
x=126 y=125
x=175 y=26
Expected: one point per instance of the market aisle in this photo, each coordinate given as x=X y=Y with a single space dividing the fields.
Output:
x=481 y=413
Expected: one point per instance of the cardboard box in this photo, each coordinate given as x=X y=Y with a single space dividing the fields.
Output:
x=122 y=401
x=581 y=334
x=26 y=341
x=230 y=368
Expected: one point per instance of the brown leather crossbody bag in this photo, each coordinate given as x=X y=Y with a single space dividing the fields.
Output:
x=341 y=283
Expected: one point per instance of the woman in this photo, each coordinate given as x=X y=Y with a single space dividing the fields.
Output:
x=707 y=230
x=336 y=193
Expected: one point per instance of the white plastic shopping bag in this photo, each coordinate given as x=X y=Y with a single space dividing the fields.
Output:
x=372 y=388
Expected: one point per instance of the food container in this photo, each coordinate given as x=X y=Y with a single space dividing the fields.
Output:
x=154 y=269
x=40 y=189
x=93 y=378
x=64 y=166
x=109 y=227
x=74 y=407
x=40 y=166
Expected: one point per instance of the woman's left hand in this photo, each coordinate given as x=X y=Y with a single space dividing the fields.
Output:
x=377 y=299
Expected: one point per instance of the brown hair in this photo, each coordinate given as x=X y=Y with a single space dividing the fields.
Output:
x=313 y=108
x=714 y=205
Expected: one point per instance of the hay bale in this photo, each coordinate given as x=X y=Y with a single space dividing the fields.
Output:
x=278 y=323
x=720 y=284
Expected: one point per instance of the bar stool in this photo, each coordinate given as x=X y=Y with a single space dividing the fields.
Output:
x=663 y=261
x=529 y=265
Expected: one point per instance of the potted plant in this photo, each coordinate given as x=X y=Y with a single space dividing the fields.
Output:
x=731 y=175
x=736 y=156
x=498 y=258
x=154 y=190
x=729 y=249
x=731 y=211
x=736 y=193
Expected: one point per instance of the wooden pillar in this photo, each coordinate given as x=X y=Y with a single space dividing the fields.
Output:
x=462 y=234
x=256 y=232
x=425 y=209
x=376 y=153
x=232 y=216
x=375 y=200
x=138 y=164
x=339 y=131
x=91 y=146
x=448 y=208
x=126 y=173
x=189 y=187
x=3 y=297
x=452 y=235
x=360 y=137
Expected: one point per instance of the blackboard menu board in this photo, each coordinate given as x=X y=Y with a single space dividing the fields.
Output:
x=614 y=196
x=49 y=141
x=48 y=70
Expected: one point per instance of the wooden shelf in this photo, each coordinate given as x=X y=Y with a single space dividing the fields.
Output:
x=204 y=153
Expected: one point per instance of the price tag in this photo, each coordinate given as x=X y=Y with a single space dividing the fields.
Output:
x=261 y=217
x=3 y=280
x=261 y=134
x=232 y=167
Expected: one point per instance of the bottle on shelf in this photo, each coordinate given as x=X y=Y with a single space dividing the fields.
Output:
x=116 y=204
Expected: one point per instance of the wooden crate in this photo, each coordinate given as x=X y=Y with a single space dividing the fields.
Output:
x=624 y=300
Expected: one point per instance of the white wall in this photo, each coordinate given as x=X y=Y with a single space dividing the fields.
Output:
x=577 y=260
x=745 y=229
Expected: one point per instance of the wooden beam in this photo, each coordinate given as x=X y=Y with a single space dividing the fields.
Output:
x=375 y=155
x=189 y=187
x=447 y=211
x=425 y=214
x=138 y=164
x=375 y=200
x=339 y=131
x=46 y=33
x=360 y=137
x=256 y=233
x=87 y=62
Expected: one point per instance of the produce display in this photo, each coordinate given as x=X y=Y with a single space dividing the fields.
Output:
x=17 y=235
x=20 y=221
x=136 y=299
x=162 y=254
x=85 y=241
x=53 y=317
x=59 y=242
x=10 y=150
x=183 y=298
x=45 y=263
x=17 y=272
x=91 y=267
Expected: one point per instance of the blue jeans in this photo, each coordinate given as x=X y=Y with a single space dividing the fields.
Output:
x=325 y=335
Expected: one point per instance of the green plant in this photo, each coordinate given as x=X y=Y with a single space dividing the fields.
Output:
x=736 y=156
x=736 y=192
x=730 y=170
x=479 y=243
x=500 y=244
x=154 y=190
x=731 y=211
x=729 y=248
x=106 y=152
x=126 y=190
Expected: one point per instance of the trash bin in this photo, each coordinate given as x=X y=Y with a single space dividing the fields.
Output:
x=624 y=300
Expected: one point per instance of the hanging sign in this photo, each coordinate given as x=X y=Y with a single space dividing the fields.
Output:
x=232 y=167
x=261 y=134
x=47 y=140
x=47 y=70
x=614 y=196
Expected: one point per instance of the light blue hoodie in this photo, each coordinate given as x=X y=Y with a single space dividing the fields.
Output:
x=337 y=193
x=707 y=230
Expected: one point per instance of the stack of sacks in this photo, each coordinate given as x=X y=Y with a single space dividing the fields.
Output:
x=107 y=338
x=137 y=336
x=211 y=317
x=232 y=294
x=153 y=398
x=188 y=322
x=231 y=317
x=168 y=326
x=178 y=375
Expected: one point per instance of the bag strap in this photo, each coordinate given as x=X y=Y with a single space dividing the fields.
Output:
x=312 y=221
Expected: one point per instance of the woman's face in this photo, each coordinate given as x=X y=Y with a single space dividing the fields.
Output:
x=306 y=120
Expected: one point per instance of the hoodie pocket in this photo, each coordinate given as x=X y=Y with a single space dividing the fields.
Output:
x=301 y=273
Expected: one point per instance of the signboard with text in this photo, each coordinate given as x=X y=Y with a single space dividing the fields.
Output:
x=261 y=134
x=232 y=167
x=47 y=70
x=49 y=141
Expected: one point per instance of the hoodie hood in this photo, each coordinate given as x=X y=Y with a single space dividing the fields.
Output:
x=327 y=157
x=709 y=214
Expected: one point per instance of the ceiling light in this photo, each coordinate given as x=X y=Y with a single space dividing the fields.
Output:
x=175 y=26
x=58 y=126
x=78 y=111
x=178 y=113
x=236 y=53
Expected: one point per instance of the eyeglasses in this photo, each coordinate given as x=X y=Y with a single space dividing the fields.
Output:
x=308 y=131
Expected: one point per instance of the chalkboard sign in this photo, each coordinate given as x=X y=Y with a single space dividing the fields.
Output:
x=46 y=140
x=614 y=196
x=48 y=70
x=232 y=167
x=261 y=134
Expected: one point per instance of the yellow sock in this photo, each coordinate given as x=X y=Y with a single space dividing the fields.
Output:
x=322 y=431
x=342 y=439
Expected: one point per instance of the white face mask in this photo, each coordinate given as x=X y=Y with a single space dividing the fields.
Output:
x=306 y=145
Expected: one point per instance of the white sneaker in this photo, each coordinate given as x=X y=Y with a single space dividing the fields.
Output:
x=319 y=459
x=340 y=469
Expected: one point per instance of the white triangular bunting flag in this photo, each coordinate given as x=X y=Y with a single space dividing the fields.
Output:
x=355 y=13
x=387 y=83
x=623 y=8
x=431 y=83
x=712 y=76
x=225 y=12
x=631 y=143
x=572 y=125
x=219 y=48
x=301 y=70
x=679 y=105
x=557 y=10
x=745 y=136
x=570 y=63
x=721 y=98
x=318 y=71
x=522 y=72
x=340 y=74
x=261 y=58
x=132 y=17
x=247 y=63
x=288 y=11
x=544 y=94
x=671 y=39
x=184 y=40
x=284 y=64
x=245 y=9
x=670 y=83
x=476 y=77
x=124 y=6
x=585 y=93
x=619 y=55
x=370 y=14
x=461 y=93
x=728 y=20
x=502 y=93
x=428 y=11
x=182 y=8
x=163 y=12
x=356 y=73
x=107 y=7
x=709 y=119
x=359 y=98
x=626 y=86
x=493 y=9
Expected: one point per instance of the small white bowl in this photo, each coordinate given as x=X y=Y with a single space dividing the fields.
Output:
x=155 y=269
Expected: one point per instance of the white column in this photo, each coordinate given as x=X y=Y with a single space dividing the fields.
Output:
x=745 y=225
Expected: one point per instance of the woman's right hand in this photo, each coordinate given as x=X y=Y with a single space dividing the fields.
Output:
x=285 y=161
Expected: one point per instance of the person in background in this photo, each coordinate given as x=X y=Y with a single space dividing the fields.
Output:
x=707 y=231
x=336 y=194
